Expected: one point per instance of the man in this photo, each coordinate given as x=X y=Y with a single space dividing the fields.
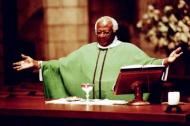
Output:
x=98 y=63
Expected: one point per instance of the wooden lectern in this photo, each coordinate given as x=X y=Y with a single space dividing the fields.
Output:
x=137 y=80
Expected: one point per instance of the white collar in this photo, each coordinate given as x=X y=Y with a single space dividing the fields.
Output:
x=113 y=44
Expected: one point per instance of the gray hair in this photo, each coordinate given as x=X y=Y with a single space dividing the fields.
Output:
x=114 y=23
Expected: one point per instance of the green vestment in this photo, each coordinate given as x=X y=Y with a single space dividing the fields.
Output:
x=62 y=77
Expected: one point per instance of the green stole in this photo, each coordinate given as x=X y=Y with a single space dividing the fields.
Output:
x=101 y=67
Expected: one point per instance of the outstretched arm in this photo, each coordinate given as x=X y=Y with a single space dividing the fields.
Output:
x=173 y=56
x=26 y=63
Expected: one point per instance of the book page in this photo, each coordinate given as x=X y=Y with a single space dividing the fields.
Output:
x=132 y=66
x=141 y=66
x=152 y=65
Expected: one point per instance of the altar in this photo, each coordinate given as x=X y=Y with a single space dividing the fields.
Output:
x=29 y=111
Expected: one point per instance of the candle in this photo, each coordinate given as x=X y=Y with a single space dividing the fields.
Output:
x=173 y=98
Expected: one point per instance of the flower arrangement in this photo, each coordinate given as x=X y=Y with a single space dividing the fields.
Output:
x=168 y=28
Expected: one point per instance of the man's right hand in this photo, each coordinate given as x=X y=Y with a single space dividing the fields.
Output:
x=26 y=63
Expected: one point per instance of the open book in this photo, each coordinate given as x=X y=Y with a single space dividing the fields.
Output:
x=141 y=66
x=149 y=66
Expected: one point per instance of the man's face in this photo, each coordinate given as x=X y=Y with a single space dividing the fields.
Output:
x=105 y=34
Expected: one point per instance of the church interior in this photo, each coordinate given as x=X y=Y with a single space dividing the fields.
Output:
x=50 y=29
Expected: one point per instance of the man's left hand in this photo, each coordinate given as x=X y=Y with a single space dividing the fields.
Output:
x=173 y=56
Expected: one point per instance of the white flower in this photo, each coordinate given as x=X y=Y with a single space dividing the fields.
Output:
x=152 y=32
x=165 y=19
x=173 y=26
x=181 y=4
x=150 y=7
x=163 y=42
x=173 y=18
x=162 y=27
x=168 y=27
x=167 y=9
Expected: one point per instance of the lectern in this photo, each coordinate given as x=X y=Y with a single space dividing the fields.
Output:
x=138 y=80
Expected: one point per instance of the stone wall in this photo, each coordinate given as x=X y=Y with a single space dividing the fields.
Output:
x=66 y=26
x=45 y=29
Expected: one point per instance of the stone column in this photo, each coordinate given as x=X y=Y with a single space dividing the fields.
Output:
x=66 y=26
